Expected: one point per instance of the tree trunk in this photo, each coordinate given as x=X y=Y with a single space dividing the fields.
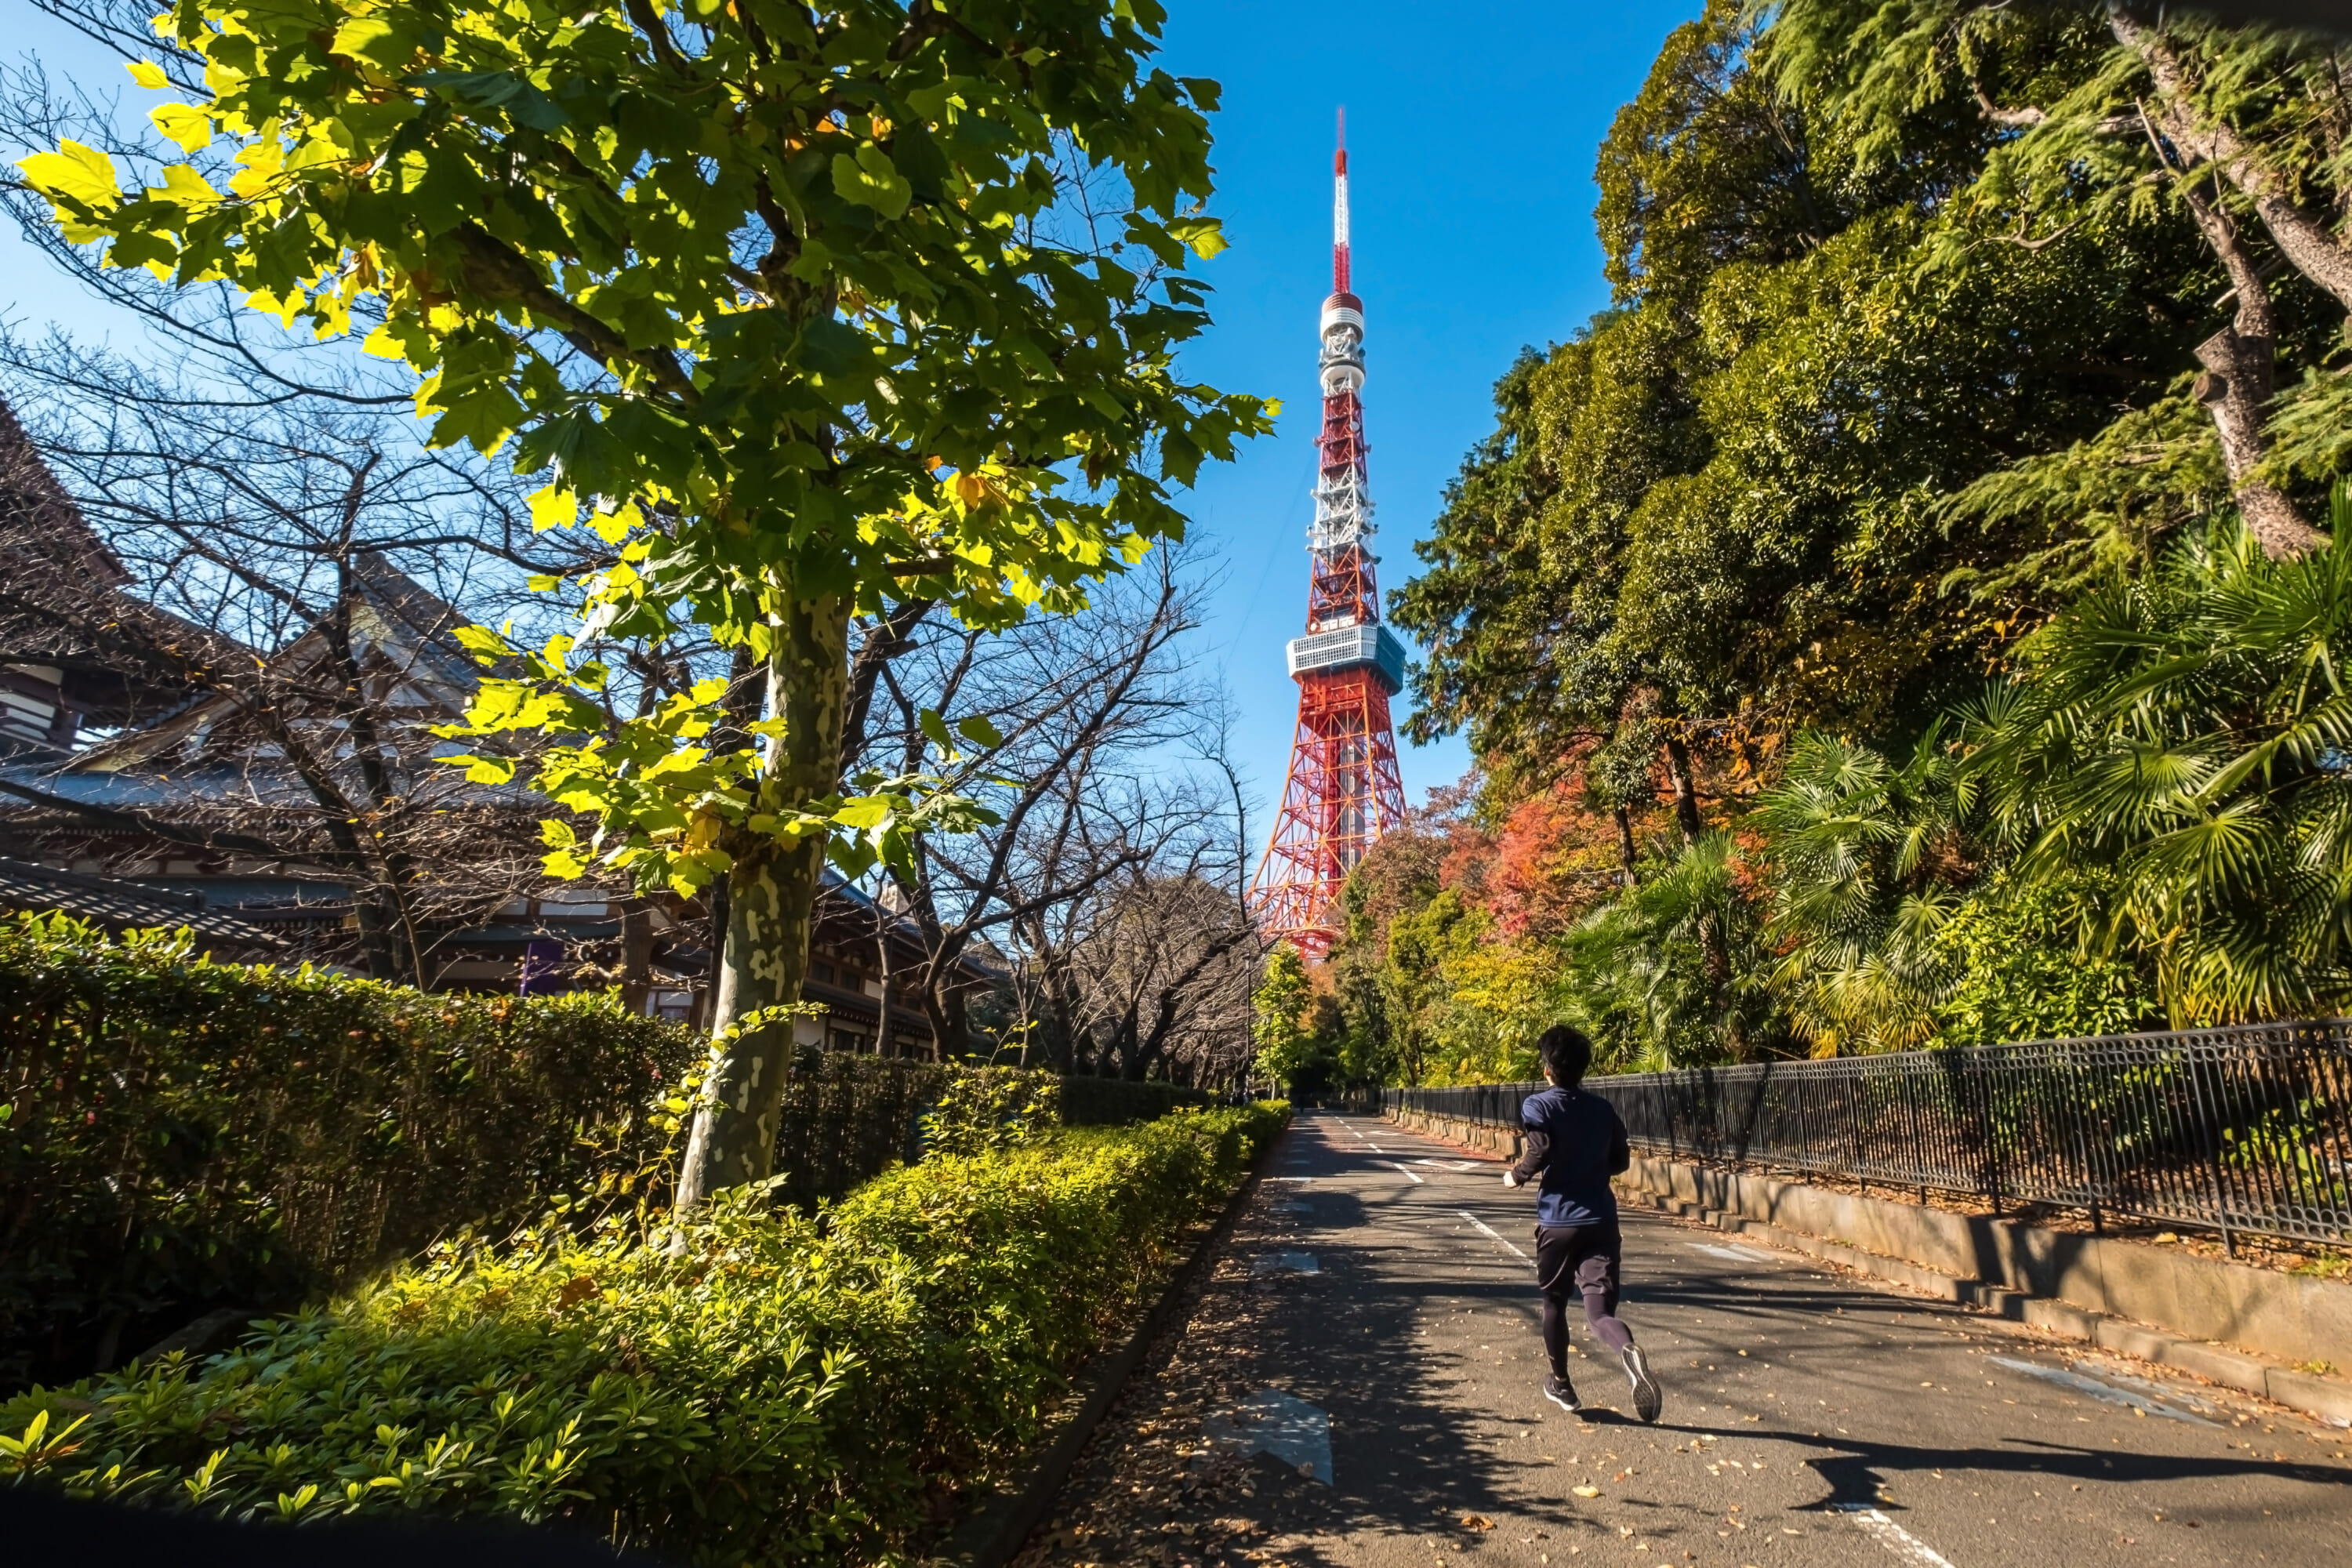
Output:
x=1678 y=771
x=2310 y=247
x=771 y=905
x=738 y=712
x=1713 y=949
x=637 y=957
x=2238 y=373
x=957 y=1016
x=1053 y=991
x=1624 y=843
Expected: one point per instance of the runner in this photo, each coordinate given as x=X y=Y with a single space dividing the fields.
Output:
x=1575 y=1140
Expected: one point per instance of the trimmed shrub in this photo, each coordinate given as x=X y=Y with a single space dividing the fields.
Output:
x=176 y=1134
x=754 y=1387
x=980 y=1109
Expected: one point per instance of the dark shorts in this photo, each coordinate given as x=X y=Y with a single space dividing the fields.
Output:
x=1573 y=1260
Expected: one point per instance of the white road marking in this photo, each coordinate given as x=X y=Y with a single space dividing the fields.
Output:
x=1450 y=1165
x=1409 y=1176
x=2105 y=1392
x=1733 y=1254
x=1892 y=1536
x=2155 y=1390
x=1289 y=1428
x=1286 y=1263
x=1482 y=1225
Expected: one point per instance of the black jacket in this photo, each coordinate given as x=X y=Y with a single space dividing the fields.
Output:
x=1576 y=1142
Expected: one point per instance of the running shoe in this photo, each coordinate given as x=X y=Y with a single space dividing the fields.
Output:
x=1646 y=1398
x=1562 y=1393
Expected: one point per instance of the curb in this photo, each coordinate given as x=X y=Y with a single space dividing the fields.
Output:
x=993 y=1536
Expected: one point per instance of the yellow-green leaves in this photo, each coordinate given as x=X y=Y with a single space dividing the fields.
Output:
x=572 y=237
x=187 y=189
x=149 y=75
x=563 y=847
x=388 y=39
x=553 y=507
x=975 y=729
x=191 y=128
x=73 y=173
x=613 y=526
x=871 y=180
x=1205 y=236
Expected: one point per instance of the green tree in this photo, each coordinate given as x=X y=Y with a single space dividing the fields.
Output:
x=805 y=309
x=2178 y=743
x=1281 y=1016
x=2243 y=130
x=1722 y=505
x=1870 y=859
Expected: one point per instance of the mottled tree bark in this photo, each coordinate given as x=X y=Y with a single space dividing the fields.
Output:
x=2309 y=245
x=771 y=904
x=2240 y=375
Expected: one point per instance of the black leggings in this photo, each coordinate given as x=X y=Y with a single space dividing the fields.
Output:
x=1579 y=1258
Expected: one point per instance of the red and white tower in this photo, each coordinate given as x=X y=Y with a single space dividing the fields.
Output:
x=1343 y=792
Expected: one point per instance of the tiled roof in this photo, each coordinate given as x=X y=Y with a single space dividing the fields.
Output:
x=118 y=906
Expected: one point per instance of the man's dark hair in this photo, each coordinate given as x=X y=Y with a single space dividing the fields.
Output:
x=1565 y=1054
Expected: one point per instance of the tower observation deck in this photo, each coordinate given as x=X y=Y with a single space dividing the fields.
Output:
x=1342 y=792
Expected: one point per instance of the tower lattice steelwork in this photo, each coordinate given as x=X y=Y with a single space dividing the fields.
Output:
x=1342 y=792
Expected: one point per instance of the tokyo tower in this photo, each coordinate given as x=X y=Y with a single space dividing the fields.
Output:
x=1342 y=793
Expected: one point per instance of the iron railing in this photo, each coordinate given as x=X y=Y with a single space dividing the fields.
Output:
x=2243 y=1130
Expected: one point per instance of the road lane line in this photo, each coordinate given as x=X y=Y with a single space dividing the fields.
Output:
x=1733 y=1254
x=1892 y=1536
x=1482 y=1225
x=2105 y=1392
x=1408 y=1175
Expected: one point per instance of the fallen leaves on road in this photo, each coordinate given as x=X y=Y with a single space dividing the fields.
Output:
x=1476 y=1521
x=1586 y=1491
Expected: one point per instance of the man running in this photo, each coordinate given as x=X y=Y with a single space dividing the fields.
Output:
x=1575 y=1140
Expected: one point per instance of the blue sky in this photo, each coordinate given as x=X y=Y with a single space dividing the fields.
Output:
x=1471 y=130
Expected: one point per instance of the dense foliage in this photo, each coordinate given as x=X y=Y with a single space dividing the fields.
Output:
x=811 y=313
x=749 y=1386
x=177 y=1135
x=1904 y=616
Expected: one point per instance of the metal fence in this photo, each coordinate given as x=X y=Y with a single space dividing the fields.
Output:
x=2243 y=1130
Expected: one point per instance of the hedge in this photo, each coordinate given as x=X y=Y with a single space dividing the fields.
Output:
x=176 y=1134
x=759 y=1386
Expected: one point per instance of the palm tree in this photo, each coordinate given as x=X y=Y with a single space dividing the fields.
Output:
x=1640 y=972
x=1869 y=859
x=2190 y=736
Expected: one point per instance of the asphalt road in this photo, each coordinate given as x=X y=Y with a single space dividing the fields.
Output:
x=1358 y=1383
